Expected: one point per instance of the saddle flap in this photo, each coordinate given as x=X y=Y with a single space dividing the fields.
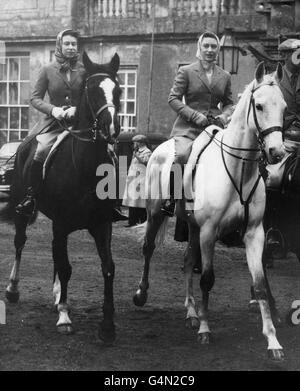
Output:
x=58 y=141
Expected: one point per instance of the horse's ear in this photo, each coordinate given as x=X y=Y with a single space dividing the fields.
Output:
x=279 y=73
x=115 y=63
x=88 y=64
x=260 y=72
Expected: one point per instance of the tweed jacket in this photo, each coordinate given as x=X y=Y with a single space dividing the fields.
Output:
x=291 y=96
x=200 y=95
x=61 y=92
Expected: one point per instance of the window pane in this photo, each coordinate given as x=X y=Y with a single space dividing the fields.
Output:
x=23 y=135
x=13 y=93
x=122 y=109
x=3 y=117
x=13 y=69
x=121 y=78
x=24 y=118
x=3 y=71
x=14 y=118
x=131 y=93
x=131 y=79
x=13 y=135
x=3 y=137
x=24 y=93
x=3 y=94
x=130 y=107
x=24 y=69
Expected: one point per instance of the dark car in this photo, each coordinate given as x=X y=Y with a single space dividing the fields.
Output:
x=7 y=158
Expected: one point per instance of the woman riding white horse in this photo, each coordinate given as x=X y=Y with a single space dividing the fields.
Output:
x=224 y=192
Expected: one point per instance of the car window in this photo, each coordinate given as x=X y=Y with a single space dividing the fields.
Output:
x=8 y=149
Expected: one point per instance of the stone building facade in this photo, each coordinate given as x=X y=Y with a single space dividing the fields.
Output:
x=148 y=62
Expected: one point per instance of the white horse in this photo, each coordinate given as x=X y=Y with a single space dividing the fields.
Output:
x=227 y=192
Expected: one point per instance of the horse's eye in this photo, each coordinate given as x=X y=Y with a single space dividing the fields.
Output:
x=259 y=107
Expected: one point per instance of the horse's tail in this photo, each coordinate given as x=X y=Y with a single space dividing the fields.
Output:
x=161 y=233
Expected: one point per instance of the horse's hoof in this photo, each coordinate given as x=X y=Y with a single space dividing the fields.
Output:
x=65 y=329
x=140 y=299
x=276 y=354
x=192 y=323
x=107 y=334
x=12 y=297
x=204 y=338
x=254 y=306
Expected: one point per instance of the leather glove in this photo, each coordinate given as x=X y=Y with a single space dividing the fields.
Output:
x=222 y=119
x=58 y=113
x=199 y=119
x=70 y=112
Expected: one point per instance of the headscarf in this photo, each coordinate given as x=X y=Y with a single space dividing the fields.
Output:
x=207 y=34
x=65 y=63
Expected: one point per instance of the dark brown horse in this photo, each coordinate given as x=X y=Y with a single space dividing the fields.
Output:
x=68 y=196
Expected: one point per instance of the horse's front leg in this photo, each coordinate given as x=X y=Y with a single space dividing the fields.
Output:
x=254 y=242
x=12 y=291
x=152 y=227
x=191 y=258
x=102 y=235
x=207 y=245
x=62 y=270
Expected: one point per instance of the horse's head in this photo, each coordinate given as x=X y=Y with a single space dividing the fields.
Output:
x=267 y=106
x=103 y=93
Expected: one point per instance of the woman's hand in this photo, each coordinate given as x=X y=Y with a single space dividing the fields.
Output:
x=199 y=119
x=58 y=113
x=70 y=112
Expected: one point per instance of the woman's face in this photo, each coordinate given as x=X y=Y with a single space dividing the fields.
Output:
x=209 y=49
x=69 y=46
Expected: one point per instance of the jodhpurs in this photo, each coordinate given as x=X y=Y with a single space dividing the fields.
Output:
x=45 y=142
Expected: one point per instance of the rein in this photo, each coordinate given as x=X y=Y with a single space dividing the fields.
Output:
x=260 y=134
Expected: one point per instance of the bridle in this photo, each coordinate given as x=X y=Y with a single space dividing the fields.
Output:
x=260 y=135
x=97 y=133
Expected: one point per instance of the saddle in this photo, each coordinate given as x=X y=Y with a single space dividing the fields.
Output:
x=53 y=150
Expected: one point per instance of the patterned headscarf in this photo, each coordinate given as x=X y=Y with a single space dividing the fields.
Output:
x=65 y=63
x=207 y=34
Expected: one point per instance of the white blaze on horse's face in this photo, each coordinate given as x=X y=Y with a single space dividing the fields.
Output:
x=269 y=107
x=108 y=86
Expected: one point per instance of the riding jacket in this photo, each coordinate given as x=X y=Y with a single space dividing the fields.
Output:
x=200 y=95
x=61 y=91
x=291 y=94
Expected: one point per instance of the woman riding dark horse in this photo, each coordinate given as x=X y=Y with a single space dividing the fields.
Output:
x=68 y=193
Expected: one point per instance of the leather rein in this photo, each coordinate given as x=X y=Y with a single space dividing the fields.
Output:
x=260 y=134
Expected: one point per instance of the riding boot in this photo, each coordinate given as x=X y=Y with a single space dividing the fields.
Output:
x=117 y=215
x=27 y=206
x=168 y=206
x=273 y=235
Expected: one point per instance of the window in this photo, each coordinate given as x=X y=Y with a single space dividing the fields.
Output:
x=127 y=78
x=14 y=98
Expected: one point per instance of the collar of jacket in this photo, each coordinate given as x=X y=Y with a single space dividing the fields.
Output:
x=74 y=73
x=216 y=76
x=286 y=81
